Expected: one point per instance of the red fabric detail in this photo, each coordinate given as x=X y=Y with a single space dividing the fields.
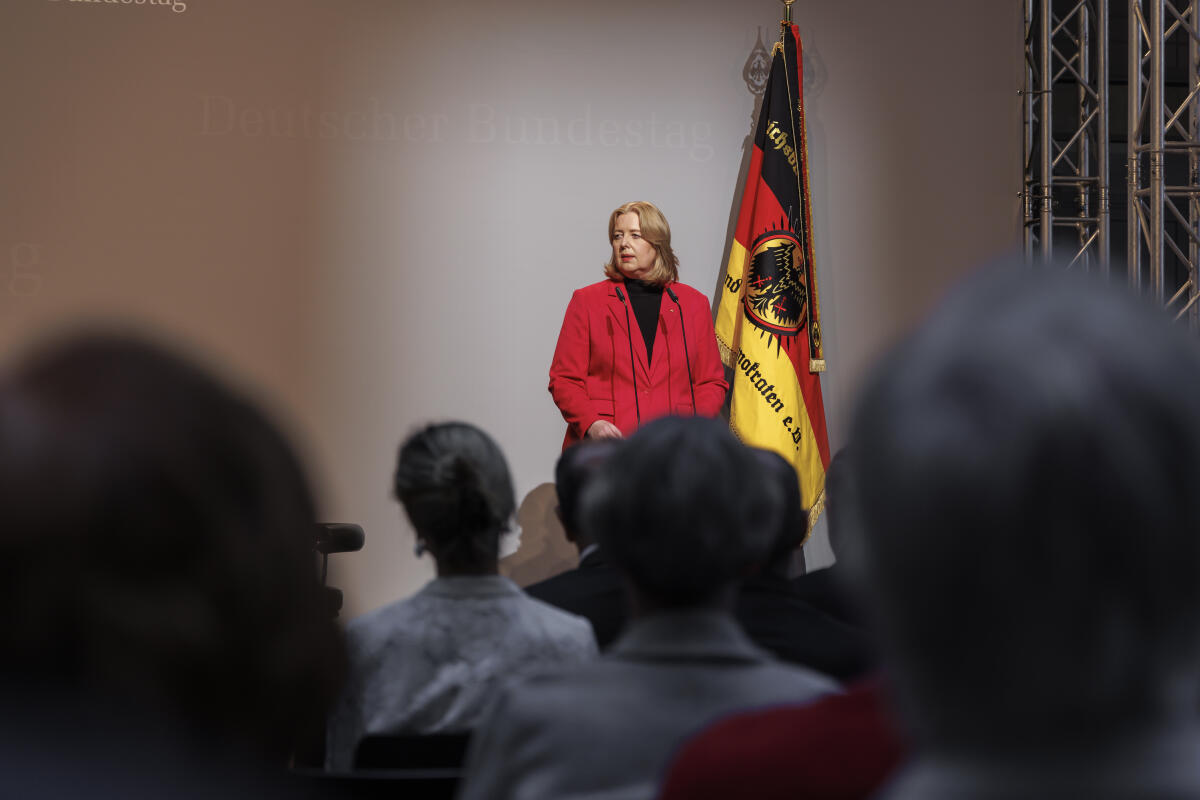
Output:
x=591 y=376
x=760 y=207
x=753 y=181
x=810 y=387
x=838 y=748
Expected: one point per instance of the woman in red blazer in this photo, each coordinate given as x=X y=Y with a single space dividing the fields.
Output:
x=602 y=388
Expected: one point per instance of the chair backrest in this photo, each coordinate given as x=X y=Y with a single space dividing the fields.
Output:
x=389 y=784
x=435 y=751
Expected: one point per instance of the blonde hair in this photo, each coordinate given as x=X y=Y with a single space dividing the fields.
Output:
x=657 y=232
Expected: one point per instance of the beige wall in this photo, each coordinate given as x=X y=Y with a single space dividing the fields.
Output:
x=374 y=211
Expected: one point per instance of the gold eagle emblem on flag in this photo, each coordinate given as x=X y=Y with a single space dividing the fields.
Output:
x=776 y=292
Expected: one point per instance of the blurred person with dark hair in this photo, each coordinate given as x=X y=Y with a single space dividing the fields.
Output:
x=594 y=589
x=772 y=611
x=1025 y=469
x=840 y=747
x=431 y=663
x=683 y=510
x=157 y=569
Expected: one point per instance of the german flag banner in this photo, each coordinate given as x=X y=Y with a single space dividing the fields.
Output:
x=768 y=323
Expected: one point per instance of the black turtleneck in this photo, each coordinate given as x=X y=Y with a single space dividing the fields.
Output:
x=646 y=300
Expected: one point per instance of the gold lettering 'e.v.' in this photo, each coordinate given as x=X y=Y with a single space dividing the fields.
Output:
x=779 y=138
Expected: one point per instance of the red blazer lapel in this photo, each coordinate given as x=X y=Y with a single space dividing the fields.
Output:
x=617 y=310
x=668 y=336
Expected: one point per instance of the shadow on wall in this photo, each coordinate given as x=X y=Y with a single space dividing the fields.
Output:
x=543 y=549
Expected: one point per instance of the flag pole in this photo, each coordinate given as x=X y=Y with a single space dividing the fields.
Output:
x=816 y=349
x=786 y=23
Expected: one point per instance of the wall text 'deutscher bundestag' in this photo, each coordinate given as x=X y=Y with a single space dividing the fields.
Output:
x=178 y=6
x=477 y=123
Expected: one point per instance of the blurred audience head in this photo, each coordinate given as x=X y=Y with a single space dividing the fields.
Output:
x=156 y=546
x=840 y=503
x=576 y=466
x=684 y=510
x=793 y=520
x=1025 y=468
x=455 y=487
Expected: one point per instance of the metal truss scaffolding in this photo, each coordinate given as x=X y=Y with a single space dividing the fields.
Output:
x=1066 y=186
x=1164 y=154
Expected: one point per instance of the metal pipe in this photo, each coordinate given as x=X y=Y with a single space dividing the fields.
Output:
x=1193 y=28
x=1081 y=168
x=1184 y=221
x=1067 y=17
x=1104 y=207
x=1192 y=234
x=1179 y=293
x=1173 y=121
x=1190 y=306
x=1155 y=123
x=1046 y=118
x=1080 y=161
x=1133 y=234
x=1193 y=228
x=1177 y=250
x=1181 y=23
x=1027 y=130
x=1066 y=64
x=1083 y=249
x=1084 y=119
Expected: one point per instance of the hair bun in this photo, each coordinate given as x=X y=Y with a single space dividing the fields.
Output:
x=453 y=470
x=455 y=486
x=459 y=475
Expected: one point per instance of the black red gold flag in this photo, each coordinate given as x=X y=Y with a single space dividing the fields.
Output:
x=768 y=322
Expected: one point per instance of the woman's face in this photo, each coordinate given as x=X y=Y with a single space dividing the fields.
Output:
x=633 y=255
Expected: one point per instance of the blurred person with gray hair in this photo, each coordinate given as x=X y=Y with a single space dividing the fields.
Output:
x=1027 y=532
x=684 y=511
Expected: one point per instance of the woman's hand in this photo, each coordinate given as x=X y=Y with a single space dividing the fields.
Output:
x=603 y=429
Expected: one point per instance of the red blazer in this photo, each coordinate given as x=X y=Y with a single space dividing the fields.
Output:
x=592 y=378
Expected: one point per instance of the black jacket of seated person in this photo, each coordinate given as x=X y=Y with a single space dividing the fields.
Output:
x=772 y=608
x=823 y=589
x=593 y=590
x=775 y=615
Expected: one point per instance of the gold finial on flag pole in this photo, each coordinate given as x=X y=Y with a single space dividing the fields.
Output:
x=785 y=24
